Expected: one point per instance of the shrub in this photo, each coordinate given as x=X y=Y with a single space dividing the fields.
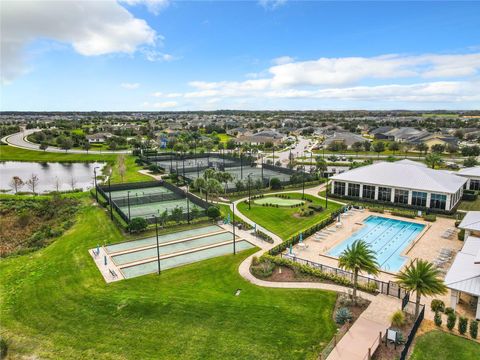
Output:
x=317 y=208
x=3 y=348
x=275 y=184
x=376 y=210
x=213 y=212
x=437 y=305
x=437 y=319
x=137 y=224
x=405 y=214
x=430 y=218
x=264 y=268
x=473 y=329
x=461 y=235
x=449 y=310
x=462 y=325
x=451 y=319
x=398 y=318
x=342 y=316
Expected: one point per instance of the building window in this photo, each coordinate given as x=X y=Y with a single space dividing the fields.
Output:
x=354 y=190
x=438 y=201
x=401 y=196
x=474 y=184
x=419 y=198
x=384 y=194
x=368 y=192
x=339 y=188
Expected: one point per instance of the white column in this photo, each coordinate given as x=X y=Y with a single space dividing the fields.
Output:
x=376 y=192
x=447 y=202
x=477 y=315
x=392 y=195
x=454 y=299
x=429 y=197
x=409 y=197
x=360 y=195
x=332 y=186
x=346 y=189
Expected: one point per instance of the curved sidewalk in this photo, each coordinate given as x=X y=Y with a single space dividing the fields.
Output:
x=18 y=140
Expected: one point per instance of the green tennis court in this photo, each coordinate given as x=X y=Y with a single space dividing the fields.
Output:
x=119 y=194
x=278 y=201
x=157 y=208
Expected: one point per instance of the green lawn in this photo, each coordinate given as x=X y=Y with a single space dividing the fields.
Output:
x=470 y=205
x=224 y=137
x=278 y=201
x=55 y=304
x=281 y=220
x=438 y=345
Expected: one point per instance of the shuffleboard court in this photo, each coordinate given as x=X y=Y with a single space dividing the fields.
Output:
x=170 y=248
x=179 y=260
x=129 y=245
x=278 y=201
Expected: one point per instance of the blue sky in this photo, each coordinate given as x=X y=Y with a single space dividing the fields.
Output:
x=175 y=55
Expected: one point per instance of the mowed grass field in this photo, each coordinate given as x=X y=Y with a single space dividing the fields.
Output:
x=439 y=345
x=282 y=220
x=56 y=305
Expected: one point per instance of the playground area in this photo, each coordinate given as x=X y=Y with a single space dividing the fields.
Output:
x=130 y=259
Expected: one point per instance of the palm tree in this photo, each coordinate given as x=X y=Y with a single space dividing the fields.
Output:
x=224 y=177
x=423 y=278
x=358 y=258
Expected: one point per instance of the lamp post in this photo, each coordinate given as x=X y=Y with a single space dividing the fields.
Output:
x=128 y=204
x=249 y=195
x=326 y=196
x=95 y=181
x=110 y=197
x=233 y=225
x=158 y=247
x=188 y=206
x=241 y=166
x=303 y=182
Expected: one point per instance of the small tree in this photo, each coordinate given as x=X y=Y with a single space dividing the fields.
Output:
x=16 y=183
x=239 y=185
x=86 y=146
x=438 y=148
x=213 y=212
x=73 y=182
x=367 y=145
x=176 y=214
x=137 y=224
x=163 y=217
x=32 y=183
x=451 y=319
x=470 y=162
x=379 y=147
x=195 y=212
x=462 y=325
x=394 y=147
x=357 y=147
x=473 y=329
x=275 y=184
x=433 y=160
x=422 y=147
x=437 y=319
x=357 y=258
x=43 y=146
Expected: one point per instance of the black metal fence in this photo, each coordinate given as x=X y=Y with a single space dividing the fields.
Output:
x=387 y=288
x=413 y=332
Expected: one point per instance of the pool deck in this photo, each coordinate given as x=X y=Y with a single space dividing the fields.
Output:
x=426 y=245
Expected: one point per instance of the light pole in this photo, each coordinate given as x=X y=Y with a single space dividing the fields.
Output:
x=326 y=196
x=233 y=225
x=249 y=195
x=303 y=182
x=128 y=204
x=158 y=247
x=188 y=206
x=95 y=181
x=110 y=197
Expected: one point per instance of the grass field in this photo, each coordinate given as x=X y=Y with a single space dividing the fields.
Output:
x=282 y=220
x=278 y=201
x=438 y=345
x=55 y=304
x=224 y=137
x=470 y=205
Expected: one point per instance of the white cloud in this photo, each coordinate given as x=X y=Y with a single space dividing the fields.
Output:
x=154 y=55
x=90 y=27
x=271 y=4
x=157 y=94
x=153 y=6
x=130 y=86
x=283 y=60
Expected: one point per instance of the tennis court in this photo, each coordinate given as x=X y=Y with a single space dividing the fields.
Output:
x=133 y=193
x=157 y=208
x=139 y=257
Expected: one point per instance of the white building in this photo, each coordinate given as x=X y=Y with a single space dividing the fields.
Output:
x=404 y=183
x=472 y=174
x=463 y=278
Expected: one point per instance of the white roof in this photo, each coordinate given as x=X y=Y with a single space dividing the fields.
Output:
x=411 y=162
x=470 y=171
x=403 y=174
x=471 y=221
x=464 y=274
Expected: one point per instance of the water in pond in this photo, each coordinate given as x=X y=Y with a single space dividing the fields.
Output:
x=50 y=175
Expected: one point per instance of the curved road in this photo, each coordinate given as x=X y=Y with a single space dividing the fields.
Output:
x=19 y=140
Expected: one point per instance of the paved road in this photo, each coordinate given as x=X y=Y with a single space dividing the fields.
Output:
x=19 y=140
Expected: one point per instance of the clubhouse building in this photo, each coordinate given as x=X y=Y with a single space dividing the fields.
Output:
x=404 y=183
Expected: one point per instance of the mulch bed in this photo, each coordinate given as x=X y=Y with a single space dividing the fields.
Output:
x=388 y=351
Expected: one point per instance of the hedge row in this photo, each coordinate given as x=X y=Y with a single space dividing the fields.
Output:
x=264 y=236
x=308 y=270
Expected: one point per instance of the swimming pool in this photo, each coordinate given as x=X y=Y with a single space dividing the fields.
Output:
x=386 y=237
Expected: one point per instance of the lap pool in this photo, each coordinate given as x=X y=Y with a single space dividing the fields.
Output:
x=386 y=237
